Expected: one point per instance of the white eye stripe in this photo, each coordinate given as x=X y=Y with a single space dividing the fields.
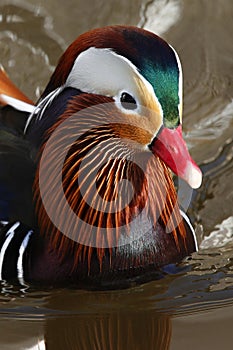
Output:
x=103 y=72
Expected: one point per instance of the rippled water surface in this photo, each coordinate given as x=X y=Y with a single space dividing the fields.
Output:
x=192 y=307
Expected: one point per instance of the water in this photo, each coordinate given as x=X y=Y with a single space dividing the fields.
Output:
x=192 y=307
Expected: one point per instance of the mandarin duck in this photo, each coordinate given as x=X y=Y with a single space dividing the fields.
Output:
x=86 y=189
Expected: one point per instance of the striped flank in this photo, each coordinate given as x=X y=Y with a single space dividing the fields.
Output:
x=14 y=242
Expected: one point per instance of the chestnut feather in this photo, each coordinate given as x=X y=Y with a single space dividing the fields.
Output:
x=100 y=140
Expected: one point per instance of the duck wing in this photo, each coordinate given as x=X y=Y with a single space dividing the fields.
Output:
x=16 y=168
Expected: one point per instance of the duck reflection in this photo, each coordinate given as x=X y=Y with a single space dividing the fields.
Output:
x=122 y=328
x=81 y=320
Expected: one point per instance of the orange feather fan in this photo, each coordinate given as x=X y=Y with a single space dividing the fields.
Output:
x=97 y=140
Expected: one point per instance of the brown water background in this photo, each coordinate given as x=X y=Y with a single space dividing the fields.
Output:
x=193 y=308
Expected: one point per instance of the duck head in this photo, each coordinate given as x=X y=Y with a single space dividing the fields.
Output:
x=111 y=111
x=135 y=68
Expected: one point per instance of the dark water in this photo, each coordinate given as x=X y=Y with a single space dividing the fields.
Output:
x=190 y=309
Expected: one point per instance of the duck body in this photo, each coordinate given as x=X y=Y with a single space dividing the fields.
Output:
x=86 y=196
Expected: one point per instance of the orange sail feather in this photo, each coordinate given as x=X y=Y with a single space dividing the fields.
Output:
x=7 y=87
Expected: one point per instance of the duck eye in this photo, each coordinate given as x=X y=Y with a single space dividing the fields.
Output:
x=127 y=101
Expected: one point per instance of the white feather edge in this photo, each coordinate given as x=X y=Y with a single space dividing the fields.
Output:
x=186 y=218
x=22 y=249
x=9 y=236
x=17 y=104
